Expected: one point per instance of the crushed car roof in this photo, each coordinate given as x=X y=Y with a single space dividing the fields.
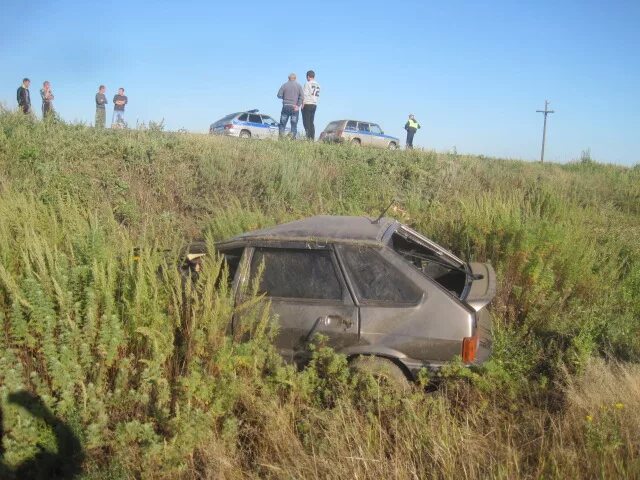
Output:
x=324 y=227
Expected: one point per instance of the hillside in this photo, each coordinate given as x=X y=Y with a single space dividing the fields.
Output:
x=90 y=327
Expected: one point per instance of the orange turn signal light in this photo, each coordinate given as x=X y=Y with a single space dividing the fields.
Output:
x=469 y=348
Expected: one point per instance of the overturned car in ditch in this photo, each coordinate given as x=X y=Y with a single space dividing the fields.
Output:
x=375 y=288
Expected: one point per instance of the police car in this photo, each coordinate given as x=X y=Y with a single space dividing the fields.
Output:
x=248 y=124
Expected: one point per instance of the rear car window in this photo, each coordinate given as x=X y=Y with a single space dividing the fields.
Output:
x=332 y=127
x=255 y=118
x=352 y=124
x=290 y=273
x=363 y=127
x=227 y=118
x=243 y=117
x=376 y=280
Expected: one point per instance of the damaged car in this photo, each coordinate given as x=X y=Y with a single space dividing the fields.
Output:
x=384 y=295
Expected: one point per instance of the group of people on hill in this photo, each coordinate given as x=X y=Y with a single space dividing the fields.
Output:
x=24 y=98
x=119 y=101
x=295 y=99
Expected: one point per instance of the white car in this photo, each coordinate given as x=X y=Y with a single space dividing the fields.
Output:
x=248 y=124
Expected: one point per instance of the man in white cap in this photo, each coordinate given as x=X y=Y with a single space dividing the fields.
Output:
x=411 y=127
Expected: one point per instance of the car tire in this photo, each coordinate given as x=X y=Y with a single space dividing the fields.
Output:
x=355 y=141
x=245 y=134
x=393 y=146
x=383 y=370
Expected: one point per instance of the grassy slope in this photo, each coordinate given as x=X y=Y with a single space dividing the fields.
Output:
x=91 y=329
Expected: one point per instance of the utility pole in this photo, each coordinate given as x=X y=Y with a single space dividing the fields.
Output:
x=546 y=112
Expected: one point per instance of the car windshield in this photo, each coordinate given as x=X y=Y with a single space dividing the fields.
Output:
x=431 y=259
x=332 y=127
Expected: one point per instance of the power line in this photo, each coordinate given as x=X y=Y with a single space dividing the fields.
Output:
x=546 y=112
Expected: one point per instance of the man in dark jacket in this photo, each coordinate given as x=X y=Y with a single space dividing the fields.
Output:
x=292 y=99
x=119 y=101
x=101 y=110
x=411 y=127
x=23 y=96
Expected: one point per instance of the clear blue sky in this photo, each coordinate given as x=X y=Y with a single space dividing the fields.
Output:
x=473 y=72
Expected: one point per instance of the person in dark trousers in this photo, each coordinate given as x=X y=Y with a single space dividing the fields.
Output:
x=411 y=127
x=119 y=101
x=101 y=109
x=311 y=93
x=47 y=99
x=292 y=98
x=23 y=96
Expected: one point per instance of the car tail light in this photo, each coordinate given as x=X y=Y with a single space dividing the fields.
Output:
x=469 y=348
x=228 y=126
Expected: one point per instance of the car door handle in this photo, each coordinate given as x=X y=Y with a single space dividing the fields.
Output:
x=335 y=321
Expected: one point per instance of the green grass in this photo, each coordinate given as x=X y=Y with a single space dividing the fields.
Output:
x=153 y=387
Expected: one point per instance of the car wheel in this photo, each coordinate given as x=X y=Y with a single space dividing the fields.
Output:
x=355 y=141
x=245 y=134
x=383 y=370
x=393 y=146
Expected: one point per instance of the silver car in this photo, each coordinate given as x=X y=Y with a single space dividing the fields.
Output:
x=359 y=133
x=248 y=124
x=373 y=287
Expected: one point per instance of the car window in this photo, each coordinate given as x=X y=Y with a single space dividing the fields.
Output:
x=255 y=118
x=430 y=262
x=232 y=261
x=375 y=129
x=243 y=117
x=376 y=280
x=289 y=273
x=227 y=118
x=332 y=127
x=363 y=127
x=352 y=124
x=268 y=120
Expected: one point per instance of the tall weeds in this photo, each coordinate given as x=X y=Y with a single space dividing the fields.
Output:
x=97 y=320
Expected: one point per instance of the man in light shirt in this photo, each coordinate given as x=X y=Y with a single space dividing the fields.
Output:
x=311 y=95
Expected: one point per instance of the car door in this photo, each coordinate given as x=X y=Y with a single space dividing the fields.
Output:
x=377 y=138
x=271 y=126
x=364 y=133
x=256 y=126
x=308 y=294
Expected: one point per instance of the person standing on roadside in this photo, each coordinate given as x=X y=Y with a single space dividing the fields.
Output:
x=292 y=98
x=411 y=127
x=23 y=96
x=119 y=101
x=311 y=95
x=47 y=99
x=101 y=110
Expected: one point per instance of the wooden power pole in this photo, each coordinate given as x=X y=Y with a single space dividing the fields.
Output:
x=546 y=112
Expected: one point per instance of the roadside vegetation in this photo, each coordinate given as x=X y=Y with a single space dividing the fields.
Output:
x=95 y=321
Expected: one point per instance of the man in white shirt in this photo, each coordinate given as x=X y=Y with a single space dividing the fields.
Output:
x=311 y=94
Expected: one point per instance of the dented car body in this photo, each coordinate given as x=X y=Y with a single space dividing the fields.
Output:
x=372 y=287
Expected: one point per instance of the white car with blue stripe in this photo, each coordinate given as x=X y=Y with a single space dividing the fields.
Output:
x=359 y=133
x=248 y=124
